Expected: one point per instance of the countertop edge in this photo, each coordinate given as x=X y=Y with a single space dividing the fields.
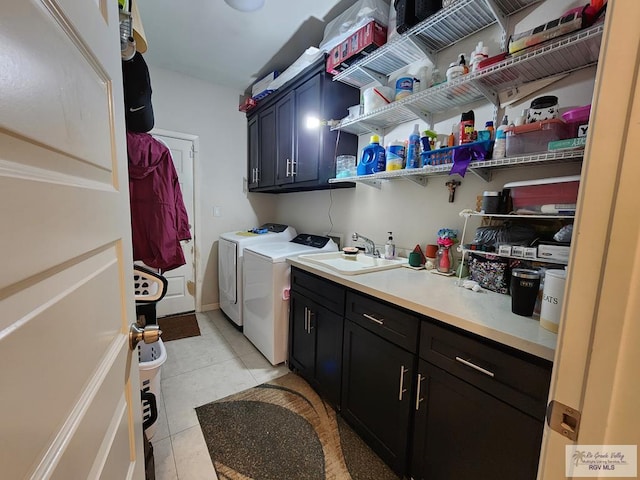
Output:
x=484 y=330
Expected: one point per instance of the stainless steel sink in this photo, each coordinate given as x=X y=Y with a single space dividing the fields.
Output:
x=351 y=264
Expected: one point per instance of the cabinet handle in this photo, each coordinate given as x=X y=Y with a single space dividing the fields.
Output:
x=373 y=319
x=402 y=389
x=475 y=367
x=288 y=168
x=311 y=314
x=306 y=319
x=418 y=399
x=294 y=167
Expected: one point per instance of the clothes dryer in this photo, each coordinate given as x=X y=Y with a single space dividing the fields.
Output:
x=231 y=246
x=266 y=283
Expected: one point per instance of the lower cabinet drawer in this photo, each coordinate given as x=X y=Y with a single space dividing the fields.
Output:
x=325 y=292
x=517 y=379
x=388 y=321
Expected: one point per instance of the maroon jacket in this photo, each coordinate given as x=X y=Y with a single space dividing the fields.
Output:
x=158 y=216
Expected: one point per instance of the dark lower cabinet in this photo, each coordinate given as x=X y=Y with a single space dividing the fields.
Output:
x=316 y=319
x=316 y=346
x=377 y=392
x=463 y=433
x=433 y=401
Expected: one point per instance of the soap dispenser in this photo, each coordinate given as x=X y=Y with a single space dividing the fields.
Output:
x=390 y=248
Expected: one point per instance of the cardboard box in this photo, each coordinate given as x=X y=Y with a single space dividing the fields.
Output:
x=359 y=44
x=554 y=251
x=259 y=88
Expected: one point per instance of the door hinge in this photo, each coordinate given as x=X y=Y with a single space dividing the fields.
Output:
x=563 y=419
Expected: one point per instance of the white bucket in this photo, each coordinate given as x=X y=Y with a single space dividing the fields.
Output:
x=377 y=97
x=552 y=298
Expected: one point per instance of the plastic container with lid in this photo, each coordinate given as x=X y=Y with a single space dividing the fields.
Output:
x=534 y=137
x=534 y=194
x=577 y=120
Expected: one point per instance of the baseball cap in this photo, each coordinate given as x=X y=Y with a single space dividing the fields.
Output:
x=137 y=94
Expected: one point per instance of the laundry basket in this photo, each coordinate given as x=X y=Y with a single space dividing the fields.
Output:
x=151 y=356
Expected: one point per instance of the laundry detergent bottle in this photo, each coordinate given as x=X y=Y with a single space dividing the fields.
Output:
x=373 y=158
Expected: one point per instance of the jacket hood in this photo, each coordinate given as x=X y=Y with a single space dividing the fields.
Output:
x=145 y=154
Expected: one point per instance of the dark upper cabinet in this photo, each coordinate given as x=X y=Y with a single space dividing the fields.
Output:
x=291 y=156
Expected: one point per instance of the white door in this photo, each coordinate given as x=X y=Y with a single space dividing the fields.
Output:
x=70 y=402
x=181 y=290
x=596 y=364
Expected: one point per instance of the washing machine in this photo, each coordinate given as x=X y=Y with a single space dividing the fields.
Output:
x=231 y=246
x=266 y=283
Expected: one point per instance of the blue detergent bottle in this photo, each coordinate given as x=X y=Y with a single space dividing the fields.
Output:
x=373 y=158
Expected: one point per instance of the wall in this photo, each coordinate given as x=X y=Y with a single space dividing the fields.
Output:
x=187 y=105
x=415 y=213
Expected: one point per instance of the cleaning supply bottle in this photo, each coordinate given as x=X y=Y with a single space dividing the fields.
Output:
x=413 y=149
x=390 y=248
x=373 y=158
x=467 y=124
x=395 y=156
x=500 y=144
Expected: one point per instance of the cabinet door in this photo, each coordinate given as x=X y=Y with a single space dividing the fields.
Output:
x=302 y=338
x=377 y=394
x=266 y=147
x=308 y=147
x=285 y=129
x=253 y=153
x=328 y=328
x=462 y=432
x=316 y=346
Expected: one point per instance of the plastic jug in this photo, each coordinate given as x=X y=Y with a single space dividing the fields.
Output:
x=373 y=158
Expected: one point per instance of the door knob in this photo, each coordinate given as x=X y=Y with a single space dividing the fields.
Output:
x=148 y=334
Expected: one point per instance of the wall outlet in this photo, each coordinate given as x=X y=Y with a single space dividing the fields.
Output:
x=338 y=238
x=217 y=211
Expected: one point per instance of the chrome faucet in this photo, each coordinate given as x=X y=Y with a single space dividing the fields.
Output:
x=369 y=246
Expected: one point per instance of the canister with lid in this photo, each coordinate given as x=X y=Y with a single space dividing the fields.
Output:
x=491 y=202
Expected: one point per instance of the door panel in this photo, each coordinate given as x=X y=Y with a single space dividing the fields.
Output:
x=181 y=292
x=268 y=148
x=66 y=289
x=285 y=135
x=308 y=148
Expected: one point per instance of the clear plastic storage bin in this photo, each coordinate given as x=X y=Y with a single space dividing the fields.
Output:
x=535 y=137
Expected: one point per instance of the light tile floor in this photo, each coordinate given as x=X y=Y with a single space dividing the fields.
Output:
x=199 y=370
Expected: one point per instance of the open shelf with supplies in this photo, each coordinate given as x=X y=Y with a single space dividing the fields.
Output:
x=449 y=25
x=562 y=55
x=480 y=168
x=467 y=214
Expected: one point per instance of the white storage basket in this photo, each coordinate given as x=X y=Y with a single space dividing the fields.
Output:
x=151 y=356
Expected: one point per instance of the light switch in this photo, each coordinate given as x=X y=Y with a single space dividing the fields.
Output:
x=217 y=211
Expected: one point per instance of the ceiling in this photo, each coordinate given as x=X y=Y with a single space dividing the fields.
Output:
x=207 y=39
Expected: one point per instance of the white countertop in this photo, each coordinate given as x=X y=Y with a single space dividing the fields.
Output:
x=485 y=313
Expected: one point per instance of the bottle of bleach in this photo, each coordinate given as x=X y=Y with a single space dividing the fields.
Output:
x=373 y=158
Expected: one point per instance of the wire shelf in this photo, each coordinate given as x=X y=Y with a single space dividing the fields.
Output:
x=565 y=55
x=448 y=26
x=445 y=169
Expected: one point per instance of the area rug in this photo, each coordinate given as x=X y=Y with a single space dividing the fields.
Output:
x=282 y=430
x=179 y=326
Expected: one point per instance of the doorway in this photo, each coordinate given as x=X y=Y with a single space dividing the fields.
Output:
x=182 y=294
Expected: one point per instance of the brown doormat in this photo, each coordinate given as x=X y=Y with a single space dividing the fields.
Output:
x=283 y=430
x=179 y=326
